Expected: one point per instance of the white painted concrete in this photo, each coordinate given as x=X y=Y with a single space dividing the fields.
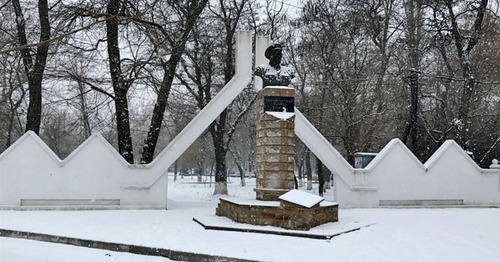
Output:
x=261 y=44
x=92 y=176
x=396 y=174
x=95 y=175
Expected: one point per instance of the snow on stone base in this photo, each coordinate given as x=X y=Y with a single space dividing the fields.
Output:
x=301 y=198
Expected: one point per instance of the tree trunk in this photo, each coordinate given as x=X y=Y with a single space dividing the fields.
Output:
x=321 y=180
x=381 y=40
x=308 y=170
x=34 y=72
x=34 y=115
x=168 y=77
x=239 y=164
x=158 y=112
x=199 y=171
x=119 y=86
x=463 y=112
x=242 y=173
x=251 y=163
x=217 y=130
x=410 y=137
x=83 y=109
x=300 y=165
x=413 y=10
x=464 y=46
x=175 y=170
x=123 y=125
x=327 y=178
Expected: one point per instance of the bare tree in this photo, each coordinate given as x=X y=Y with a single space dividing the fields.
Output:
x=413 y=33
x=12 y=97
x=228 y=14
x=33 y=69
x=337 y=49
x=465 y=43
x=239 y=164
x=188 y=14
x=459 y=90
x=120 y=85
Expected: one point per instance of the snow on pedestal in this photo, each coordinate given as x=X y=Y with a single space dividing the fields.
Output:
x=301 y=198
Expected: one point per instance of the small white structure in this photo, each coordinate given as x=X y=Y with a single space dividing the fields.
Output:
x=494 y=164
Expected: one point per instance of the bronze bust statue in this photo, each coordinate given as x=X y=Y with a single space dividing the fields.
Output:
x=274 y=74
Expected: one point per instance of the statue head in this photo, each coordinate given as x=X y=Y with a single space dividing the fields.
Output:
x=274 y=54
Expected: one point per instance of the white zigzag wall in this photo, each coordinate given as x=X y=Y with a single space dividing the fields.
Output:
x=395 y=174
x=94 y=175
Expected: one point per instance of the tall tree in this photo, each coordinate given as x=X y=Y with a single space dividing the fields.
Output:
x=229 y=15
x=188 y=13
x=120 y=86
x=207 y=67
x=414 y=24
x=378 y=19
x=12 y=95
x=465 y=40
x=337 y=48
x=34 y=69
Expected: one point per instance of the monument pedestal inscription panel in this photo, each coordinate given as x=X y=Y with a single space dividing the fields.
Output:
x=275 y=142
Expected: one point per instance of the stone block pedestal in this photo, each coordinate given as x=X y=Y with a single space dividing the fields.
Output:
x=275 y=149
x=277 y=203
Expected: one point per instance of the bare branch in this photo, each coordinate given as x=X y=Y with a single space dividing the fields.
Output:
x=4 y=4
x=60 y=37
x=57 y=38
x=94 y=87
x=232 y=128
x=489 y=150
x=188 y=87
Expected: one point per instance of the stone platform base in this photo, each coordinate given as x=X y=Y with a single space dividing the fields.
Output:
x=280 y=214
x=265 y=194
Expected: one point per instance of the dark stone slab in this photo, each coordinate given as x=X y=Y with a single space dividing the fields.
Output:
x=279 y=104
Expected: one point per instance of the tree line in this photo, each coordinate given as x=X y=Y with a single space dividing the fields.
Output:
x=138 y=71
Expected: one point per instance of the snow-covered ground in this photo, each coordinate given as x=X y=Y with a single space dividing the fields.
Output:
x=21 y=250
x=421 y=234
